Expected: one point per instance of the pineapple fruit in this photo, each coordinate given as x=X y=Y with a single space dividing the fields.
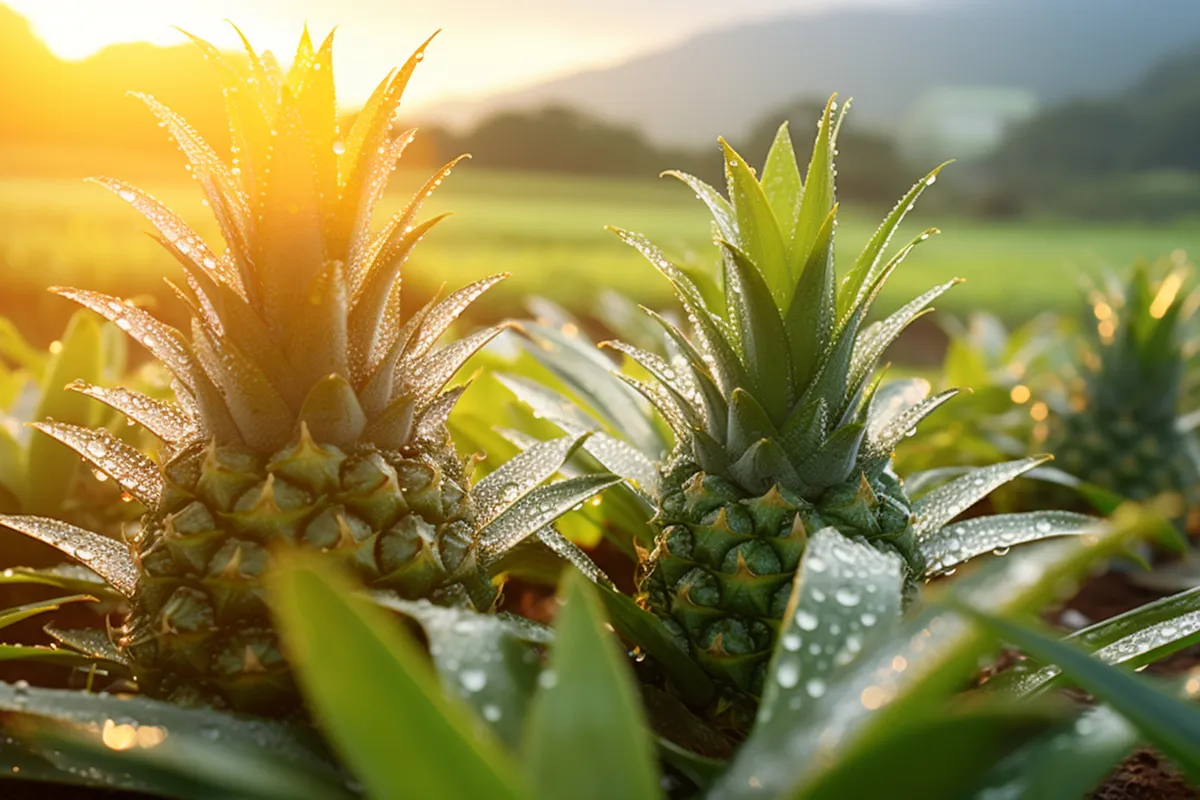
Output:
x=310 y=411
x=1122 y=429
x=780 y=422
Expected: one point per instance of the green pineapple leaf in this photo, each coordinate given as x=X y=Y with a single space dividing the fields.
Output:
x=922 y=664
x=781 y=180
x=834 y=615
x=638 y=625
x=178 y=763
x=867 y=263
x=52 y=466
x=758 y=231
x=764 y=339
x=968 y=740
x=101 y=721
x=587 y=737
x=1134 y=639
x=489 y=662
x=1069 y=760
x=375 y=695
x=1171 y=725
x=818 y=201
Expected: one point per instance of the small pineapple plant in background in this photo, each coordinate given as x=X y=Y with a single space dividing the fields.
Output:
x=309 y=409
x=781 y=429
x=1124 y=428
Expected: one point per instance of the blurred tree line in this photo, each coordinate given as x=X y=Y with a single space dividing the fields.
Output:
x=1135 y=154
x=560 y=139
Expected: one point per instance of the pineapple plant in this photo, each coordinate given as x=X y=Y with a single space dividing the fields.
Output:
x=38 y=475
x=310 y=409
x=778 y=423
x=1122 y=428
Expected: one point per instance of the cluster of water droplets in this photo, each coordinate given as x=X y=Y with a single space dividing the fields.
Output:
x=129 y=467
x=469 y=651
x=164 y=420
x=426 y=377
x=877 y=337
x=946 y=502
x=953 y=544
x=109 y=559
x=845 y=589
x=519 y=475
x=536 y=510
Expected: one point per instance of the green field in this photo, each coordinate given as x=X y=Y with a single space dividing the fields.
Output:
x=548 y=232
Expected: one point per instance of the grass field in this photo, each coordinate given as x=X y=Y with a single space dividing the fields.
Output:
x=548 y=232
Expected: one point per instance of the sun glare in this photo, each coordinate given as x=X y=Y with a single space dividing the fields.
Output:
x=474 y=55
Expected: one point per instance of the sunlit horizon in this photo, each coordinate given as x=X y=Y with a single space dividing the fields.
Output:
x=479 y=52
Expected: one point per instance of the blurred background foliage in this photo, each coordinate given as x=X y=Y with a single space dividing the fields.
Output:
x=1081 y=159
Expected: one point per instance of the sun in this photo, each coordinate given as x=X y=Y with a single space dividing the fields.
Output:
x=474 y=56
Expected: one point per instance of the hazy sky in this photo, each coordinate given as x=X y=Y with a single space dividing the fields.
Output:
x=485 y=45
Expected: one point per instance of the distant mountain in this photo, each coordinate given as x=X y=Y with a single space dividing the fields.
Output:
x=886 y=59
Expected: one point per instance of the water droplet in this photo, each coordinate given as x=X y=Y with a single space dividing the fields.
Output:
x=473 y=680
x=847 y=596
x=806 y=620
x=492 y=713
x=792 y=642
x=788 y=674
x=815 y=687
x=97 y=449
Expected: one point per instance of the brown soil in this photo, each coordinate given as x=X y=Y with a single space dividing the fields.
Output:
x=1146 y=775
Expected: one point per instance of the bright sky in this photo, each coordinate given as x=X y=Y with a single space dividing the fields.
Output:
x=486 y=45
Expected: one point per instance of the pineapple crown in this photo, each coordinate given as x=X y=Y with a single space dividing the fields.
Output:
x=1139 y=339
x=297 y=337
x=298 y=323
x=775 y=385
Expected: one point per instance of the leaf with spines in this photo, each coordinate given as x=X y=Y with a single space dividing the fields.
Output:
x=164 y=420
x=521 y=474
x=109 y=559
x=758 y=236
x=868 y=261
x=764 y=338
x=1134 y=639
x=946 y=502
x=875 y=338
x=951 y=545
x=129 y=467
x=1172 y=726
x=882 y=439
x=811 y=315
x=536 y=510
x=818 y=202
x=720 y=209
x=781 y=180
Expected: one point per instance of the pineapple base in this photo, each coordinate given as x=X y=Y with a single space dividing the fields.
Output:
x=1138 y=460
x=199 y=629
x=722 y=570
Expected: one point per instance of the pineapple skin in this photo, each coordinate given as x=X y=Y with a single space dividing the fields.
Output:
x=200 y=630
x=1138 y=458
x=724 y=561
